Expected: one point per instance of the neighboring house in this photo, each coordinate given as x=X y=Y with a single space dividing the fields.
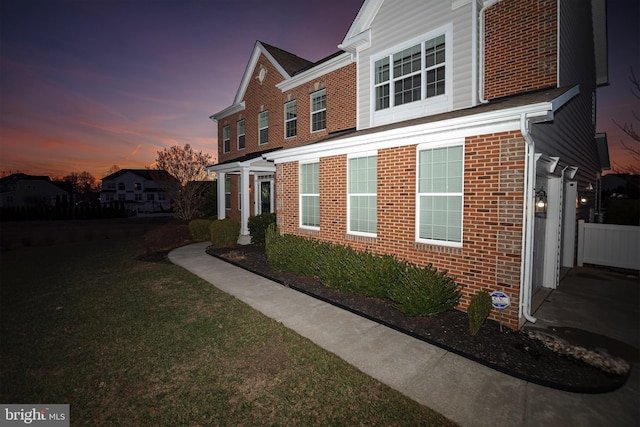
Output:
x=141 y=190
x=459 y=133
x=21 y=190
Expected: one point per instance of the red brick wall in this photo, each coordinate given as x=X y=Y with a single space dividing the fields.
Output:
x=490 y=257
x=340 y=88
x=520 y=47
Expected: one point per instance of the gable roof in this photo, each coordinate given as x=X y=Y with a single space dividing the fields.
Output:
x=359 y=33
x=143 y=173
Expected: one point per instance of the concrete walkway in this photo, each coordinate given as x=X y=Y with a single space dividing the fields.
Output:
x=467 y=392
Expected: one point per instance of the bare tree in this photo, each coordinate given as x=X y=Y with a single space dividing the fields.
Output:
x=82 y=182
x=113 y=169
x=188 y=179
x=633 y=146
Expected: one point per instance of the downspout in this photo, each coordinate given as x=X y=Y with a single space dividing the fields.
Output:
x=474 y=53
x=526 y=270
x=486 y=5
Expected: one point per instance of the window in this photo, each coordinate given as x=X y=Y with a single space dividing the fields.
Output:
x=263 y=127
x=310 y=195
x=318 y=110
x=241 y=135
x=137 y=186
x=227 y=192
x=226 y=139
x=412 y=74
x=362 y=177
x=440 y=182
x=290 y=119
x=138 y=197
x=239 y=192
x=121 y=186
x=150 y=197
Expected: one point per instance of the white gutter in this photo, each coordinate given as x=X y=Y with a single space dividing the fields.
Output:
x=487 y=4
x=526 y=263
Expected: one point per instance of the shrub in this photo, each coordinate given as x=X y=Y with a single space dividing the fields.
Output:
x=200 y=229
x=479 y=309
x=423 y=291
x=258 y=227
x=414 y=290
x=224 y=232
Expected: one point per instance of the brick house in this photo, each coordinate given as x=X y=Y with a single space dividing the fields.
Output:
x=455 y=132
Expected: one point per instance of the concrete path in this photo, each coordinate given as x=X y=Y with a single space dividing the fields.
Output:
x=467 y=392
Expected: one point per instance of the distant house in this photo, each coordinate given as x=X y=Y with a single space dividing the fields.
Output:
x=459 y=133
x=22 y=190
x=141 y=190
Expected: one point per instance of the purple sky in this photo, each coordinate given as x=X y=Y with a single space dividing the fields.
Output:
x=85 y=85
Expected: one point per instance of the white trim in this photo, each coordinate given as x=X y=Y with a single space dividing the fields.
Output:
x=316 y=72
x=312 y=112
x=361 y=23
x=423 y=106
x=457 y=142
x=371 y=153
x=303 y=226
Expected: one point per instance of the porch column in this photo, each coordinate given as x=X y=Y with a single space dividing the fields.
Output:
x=220 y=196
x=244 y=203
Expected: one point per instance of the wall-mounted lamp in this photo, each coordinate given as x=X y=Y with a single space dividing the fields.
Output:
x=541 y=202
x=583 y=199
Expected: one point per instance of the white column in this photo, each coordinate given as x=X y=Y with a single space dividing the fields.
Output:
x=220 y=185
x=244 y=203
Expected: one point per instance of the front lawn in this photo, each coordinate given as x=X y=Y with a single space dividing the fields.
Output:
x=131 y=342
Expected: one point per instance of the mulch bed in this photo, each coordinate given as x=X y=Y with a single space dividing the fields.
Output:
x=508 y=351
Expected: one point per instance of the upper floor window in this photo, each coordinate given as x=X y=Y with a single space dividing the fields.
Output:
x=290 y=119
x=319 y=110
x=310 y=195
x=226 y=139
x=137 y=186
x=362 y=189
x=110 y=185
x=241 y=142
x=121 y=186
x=263 y=127
x=440 y=195
x=415 y=73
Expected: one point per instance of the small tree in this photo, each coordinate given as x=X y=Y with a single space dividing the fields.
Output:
x=188 y=179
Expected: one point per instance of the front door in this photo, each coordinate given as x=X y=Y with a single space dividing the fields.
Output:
x=265 y=197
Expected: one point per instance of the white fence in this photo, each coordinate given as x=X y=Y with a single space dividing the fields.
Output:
x=609 y=244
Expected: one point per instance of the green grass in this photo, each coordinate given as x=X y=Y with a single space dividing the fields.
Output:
x=127 y=342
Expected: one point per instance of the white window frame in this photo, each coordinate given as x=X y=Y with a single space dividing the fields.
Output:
x=301 y=194
x=226 y=139
x=321 y=92
x=294 y=119
x=261 y=115
x=227 y=192
x=241 y=135
x=239 y=192
x=424 y=106
x=350 y=195
x=431 y=146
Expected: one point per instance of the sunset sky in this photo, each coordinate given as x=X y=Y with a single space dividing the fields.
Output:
x=85 y=85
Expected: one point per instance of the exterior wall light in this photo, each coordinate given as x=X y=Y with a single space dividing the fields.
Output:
x=541 y=203
x=583 y=200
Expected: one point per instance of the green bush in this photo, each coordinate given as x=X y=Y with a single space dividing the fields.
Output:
x=416 y=291
x=423 y=291
x=258 y=227
x=479 y=309
x=224 y=232
x=200 y=229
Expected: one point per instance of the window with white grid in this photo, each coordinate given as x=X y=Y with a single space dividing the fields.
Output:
x=362 y=187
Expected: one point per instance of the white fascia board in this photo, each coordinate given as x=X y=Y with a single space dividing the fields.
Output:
x=564 y=98
x=248 y=72
x=313 y=73
x=257 y=164
x=455 y=4
x=478 y=124
x=363 y=19
x=356 y=43
x=236 y=108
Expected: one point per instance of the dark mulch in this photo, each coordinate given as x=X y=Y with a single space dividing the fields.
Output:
x=509 y=351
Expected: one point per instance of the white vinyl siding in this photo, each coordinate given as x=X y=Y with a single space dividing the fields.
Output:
x=362 y=188
x=310 y=195
x=440 y=195
x=263 y=127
